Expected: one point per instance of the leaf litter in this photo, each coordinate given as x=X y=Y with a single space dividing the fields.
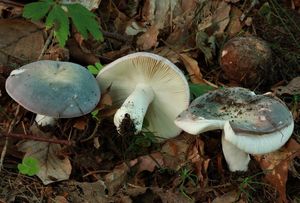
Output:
x=99 y=167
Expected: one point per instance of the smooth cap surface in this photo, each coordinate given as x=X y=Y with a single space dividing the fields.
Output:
x=171 y=91
x=53 y=88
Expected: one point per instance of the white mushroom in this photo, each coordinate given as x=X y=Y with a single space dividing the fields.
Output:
x=146 y=86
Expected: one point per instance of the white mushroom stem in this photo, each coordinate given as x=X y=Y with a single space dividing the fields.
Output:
x=42 y=120
x=237 y=160
x=135 y=106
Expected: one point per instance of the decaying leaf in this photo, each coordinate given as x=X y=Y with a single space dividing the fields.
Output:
x=168 y=196
x=53 y=166
x=149 y=39
x=228 y=197
x=150 y=162
x=196 y=155
x=277 y=164
x=235 y=25
x=292 y=88
x=193 y=69
x=84 y=192
x=115 y=179
x=20 y=42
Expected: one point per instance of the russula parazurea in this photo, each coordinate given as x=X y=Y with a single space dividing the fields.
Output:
x=54 y=89
x=251 y=124
x=146 y=86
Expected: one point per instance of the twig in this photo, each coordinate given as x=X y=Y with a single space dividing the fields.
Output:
x=37 y=138
x=116 y=36
x=46 y=44
x=12 y=124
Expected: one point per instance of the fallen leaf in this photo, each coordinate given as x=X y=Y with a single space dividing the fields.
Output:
x=277 y=165
x=52 y=168
x=150 y=162
x=192 y=68
x=85 y=192
x=196 y=155
x=80 y=123
x=292 y=88
x=148 y=40
x=174 y=153
x=168 y=196
x=115 y=179
x=229 y=197
x=235 y=25
x=20 y=42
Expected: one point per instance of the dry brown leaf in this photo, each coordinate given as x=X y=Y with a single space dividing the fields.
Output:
x=192 y=68
x=148 y=40
x=85 y=192
x=168 y=196
x=229 y=197
x=115 y=179
x=235 y=25
x=215 y=17
x=80 y=123
x=52 y=167
x=174 y=153
x=277 y=165
x=292 y=88
x=196 y=156
x=150 y=162
x=20 y=42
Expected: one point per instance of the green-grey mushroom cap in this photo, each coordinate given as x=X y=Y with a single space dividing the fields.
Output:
x=53 y=88
x=246 y=111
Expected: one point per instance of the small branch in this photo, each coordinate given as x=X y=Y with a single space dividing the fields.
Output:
x=37 y=138
x=48 y=41
x=116 y=36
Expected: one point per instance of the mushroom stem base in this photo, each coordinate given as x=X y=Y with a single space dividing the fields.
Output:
x=236 y=159
x=135 y=107
x=42 y=120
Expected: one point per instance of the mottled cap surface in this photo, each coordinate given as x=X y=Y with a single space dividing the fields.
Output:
x=53 y=88
x=247 y=112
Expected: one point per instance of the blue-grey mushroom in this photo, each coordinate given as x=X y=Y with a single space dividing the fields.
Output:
x=54 y=89
x=251 y=124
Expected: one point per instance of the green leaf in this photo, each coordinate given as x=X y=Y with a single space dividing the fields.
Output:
x=37 y=10
x=84 y=21
x=199 y=89
x=99 y=66
x=59 y=19
x=93 y=69
x=29 y=166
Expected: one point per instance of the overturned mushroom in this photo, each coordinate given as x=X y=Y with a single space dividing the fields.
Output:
x=252 y=124
x=54 y=89
x=148 y=86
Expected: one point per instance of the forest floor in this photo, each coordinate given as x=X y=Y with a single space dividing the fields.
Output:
x=86 y=160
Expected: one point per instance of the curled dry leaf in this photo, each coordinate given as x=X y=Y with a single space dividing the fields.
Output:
x=150 y=162
x=53 y=167
x=277 y=165
x=192 y=68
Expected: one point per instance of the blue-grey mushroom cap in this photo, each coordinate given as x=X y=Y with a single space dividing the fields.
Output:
x=54 y=88
x=246 y=111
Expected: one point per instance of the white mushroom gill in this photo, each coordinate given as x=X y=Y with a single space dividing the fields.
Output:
x=135 y=106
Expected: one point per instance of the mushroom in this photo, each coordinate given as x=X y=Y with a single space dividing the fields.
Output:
x=146 y=86
x=53 y=89
x=252 y=124
x=246 y=60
